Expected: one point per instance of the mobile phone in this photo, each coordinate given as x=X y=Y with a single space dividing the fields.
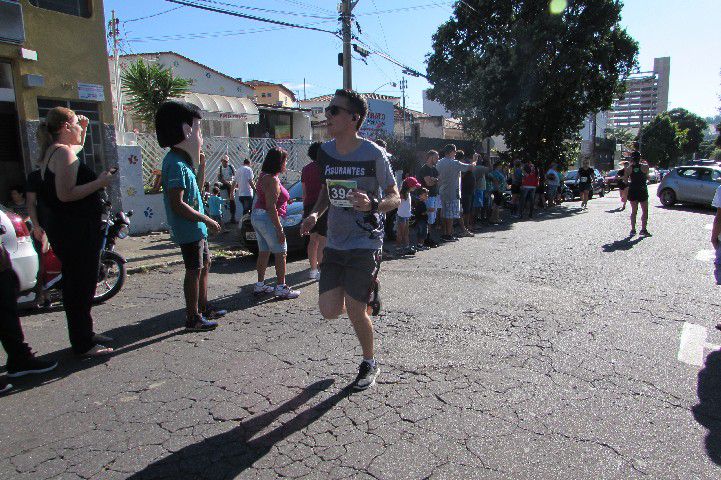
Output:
x=113 y=171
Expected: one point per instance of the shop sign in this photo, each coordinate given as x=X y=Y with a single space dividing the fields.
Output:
x=91 y=91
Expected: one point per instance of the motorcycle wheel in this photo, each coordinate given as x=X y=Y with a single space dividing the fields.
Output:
x=111 y=276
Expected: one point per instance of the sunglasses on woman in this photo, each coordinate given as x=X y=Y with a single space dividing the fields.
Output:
x=333 y=110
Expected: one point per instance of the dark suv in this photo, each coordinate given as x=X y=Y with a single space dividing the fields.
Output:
x=598 y=183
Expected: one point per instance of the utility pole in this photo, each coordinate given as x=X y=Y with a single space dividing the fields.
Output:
x=119 y=120
x=346 y=15
x=404 y=85
x=304 y=97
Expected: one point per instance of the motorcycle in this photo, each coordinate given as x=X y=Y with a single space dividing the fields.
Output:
x=111 y=270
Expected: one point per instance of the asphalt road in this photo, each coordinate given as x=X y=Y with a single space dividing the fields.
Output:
x=540 y=349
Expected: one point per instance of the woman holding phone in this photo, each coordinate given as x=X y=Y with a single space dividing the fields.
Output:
x=73 y=195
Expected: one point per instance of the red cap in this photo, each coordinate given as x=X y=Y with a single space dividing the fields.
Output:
x=411 y=182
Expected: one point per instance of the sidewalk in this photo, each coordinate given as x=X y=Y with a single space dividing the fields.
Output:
x=156 y=249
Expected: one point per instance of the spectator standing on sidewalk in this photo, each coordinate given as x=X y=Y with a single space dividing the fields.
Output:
x=226 y=176
x=405 y=212
x=429 y=179
x=215 y=206
x=499 y=188
x=420 y=215
x=177 y=125
x=74 y=197
x=20 y=359
x=449 y=175
x=311 y=183
x=271 y=203
x=529 y=183
x=716 y=235
x=480 y=203
x=516 y=180
x=553 y=181
x=468 y=190
x=358 y=190
x=246 y=186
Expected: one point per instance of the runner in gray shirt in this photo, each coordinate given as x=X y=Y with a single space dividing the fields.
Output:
x=358 y=189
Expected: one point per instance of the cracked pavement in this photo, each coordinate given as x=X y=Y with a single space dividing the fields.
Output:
x=540 y=349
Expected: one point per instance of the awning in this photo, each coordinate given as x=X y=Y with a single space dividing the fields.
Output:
x=223 y=107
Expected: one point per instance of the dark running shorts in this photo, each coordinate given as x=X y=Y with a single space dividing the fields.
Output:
x=515 y=189
x=353 y=270
x=321 y=226
x=637 y=194
x=195 y=254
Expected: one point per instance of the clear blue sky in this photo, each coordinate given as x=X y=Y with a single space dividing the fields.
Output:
x=687 y=31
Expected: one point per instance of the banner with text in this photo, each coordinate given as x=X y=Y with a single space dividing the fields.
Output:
x=379 y=122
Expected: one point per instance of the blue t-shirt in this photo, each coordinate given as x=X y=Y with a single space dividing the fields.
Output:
x=178 y=173
x=369 y=168
x=215 y=204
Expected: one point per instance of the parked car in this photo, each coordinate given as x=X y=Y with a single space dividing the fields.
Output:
x=598 y=183
x=19 y=244
x=611 y=180
x=653 y=175
x=662 y=173
x=291 y=223
x=690 y=184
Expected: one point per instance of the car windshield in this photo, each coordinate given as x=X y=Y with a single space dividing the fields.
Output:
x=296 y=192
x=571 y=175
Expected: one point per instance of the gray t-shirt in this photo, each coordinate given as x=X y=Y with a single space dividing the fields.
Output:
x=369 y=167
x=449 y=177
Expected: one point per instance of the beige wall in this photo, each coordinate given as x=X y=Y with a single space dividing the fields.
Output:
x=273 y=95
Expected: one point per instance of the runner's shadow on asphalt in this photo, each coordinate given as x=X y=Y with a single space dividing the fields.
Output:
x=623 y=244
x=229 y=454
x=708 y=410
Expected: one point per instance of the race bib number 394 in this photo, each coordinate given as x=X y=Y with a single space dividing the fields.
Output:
x=338 y=191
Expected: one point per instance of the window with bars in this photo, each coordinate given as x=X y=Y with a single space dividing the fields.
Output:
x=92 y=152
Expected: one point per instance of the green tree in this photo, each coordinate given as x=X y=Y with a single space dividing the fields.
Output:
x=148 y=86
x=622 y=136
x=695 y=125
x=705 y=149
x=662 y=141
x=511 y=67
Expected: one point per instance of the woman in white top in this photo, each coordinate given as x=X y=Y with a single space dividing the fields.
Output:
x=404 y=216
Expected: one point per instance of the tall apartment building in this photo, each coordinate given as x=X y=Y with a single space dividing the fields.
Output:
x=646 y=96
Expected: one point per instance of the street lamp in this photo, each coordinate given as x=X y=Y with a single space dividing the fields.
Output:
x=392 y=84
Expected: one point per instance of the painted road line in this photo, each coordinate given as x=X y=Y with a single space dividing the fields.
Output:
x=706 y=255
x=693 y=341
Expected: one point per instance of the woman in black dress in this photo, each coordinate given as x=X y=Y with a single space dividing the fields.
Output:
x=636 y=175
x=73 y=196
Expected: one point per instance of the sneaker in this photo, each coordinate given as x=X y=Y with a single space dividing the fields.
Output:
x=387 y=255
x=29 y=366
x=199 y=324
x=408 y=251
x=645 y=233
x=212 y=312
x=430 y=243
x=5 y=387
x=283 y=291
x=448 y=238
x=367 y=375
x=314 y=274
x=421 y=248
x=262 y=289
x=632 y=233
x=98 y=338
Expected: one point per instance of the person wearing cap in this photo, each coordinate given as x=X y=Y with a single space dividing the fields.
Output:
x=404 y=216
x=177 y=125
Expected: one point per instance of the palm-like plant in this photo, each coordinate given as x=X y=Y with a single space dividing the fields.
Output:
x=148 y=86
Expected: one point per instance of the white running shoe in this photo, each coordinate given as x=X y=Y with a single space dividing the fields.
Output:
x=283 y=291
x=262 y=289
x=314 y=274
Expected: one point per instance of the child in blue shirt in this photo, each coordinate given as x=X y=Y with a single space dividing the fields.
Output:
x=215 y=206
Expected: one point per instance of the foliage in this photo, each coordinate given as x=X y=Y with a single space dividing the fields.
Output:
x=148 y=86
x=661 y=141
x=621 y=135
x=404 y=156
x=510 y=67
x=705 y=149
x=695 y=125
x=718 y=139
x=716 y=154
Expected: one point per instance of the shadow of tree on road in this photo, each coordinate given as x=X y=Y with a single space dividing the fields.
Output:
x=708 y=410
x=230 y=453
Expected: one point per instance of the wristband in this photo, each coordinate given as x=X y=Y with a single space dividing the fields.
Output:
x=374 y=204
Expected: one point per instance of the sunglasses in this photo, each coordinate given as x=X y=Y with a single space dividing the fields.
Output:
x=333 y=110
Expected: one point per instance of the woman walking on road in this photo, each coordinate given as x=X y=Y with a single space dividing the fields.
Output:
x=73 y=195
x=623 y=185
x=585 y=178
x=636 y=174
x=270 y=205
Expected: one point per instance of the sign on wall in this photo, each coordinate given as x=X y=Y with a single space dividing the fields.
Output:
x=91 y=91
x=379 y=121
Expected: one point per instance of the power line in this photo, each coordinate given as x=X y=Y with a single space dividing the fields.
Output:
x=153 y=15
x=267 y=10
x=308 y=5
x=402 y=9
x=250 y=17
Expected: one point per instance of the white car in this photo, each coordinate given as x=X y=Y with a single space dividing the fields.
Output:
x=653 y=175
x=19 y=244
